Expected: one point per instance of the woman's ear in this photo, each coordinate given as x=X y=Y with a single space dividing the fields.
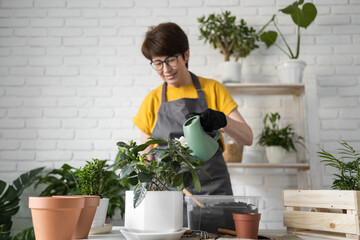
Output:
x=187 y=55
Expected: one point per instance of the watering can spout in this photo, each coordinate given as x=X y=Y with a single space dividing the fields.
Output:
x=202 y=145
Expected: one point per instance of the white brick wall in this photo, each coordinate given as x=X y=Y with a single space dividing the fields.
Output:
x=72 y=77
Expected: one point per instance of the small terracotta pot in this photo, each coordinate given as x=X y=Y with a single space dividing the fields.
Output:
x=86 y=216
x=247 y=225
x=55 y=218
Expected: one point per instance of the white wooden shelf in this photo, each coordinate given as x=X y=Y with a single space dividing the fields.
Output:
x=297 y=91
x=302 y=166
x=266 y=89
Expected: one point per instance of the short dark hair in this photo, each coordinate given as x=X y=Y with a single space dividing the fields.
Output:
x=165 y=39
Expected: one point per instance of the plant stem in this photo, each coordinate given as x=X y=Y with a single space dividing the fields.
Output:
x=223 y=49
x=283 y=38
x=263 y=28
x=298 y=43
x=282 y=50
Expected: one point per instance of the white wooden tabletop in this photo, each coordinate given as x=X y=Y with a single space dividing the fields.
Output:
x=115 y=234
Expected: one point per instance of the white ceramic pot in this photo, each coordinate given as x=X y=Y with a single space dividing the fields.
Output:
x=231 y=72
x=275 y=154
x=100 y=215
x=160 y=211
x=291 y=71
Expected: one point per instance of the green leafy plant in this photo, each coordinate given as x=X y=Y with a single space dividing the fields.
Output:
x=95 y=179
x=222 y=32
x=347 y=166
x=91 y=177
x=175 y=166
x=26 y=234
x=64 y=181
x=273 y=135
x=10 y=198
x=302 y=17
x=61 y=181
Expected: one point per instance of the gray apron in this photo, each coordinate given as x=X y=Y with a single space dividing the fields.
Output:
x=170 y=119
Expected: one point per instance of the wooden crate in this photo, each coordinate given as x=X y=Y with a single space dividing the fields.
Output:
x=332 y=214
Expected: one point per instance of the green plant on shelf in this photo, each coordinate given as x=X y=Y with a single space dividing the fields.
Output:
x=273 y=135
x=232 y=38
x=302 y=17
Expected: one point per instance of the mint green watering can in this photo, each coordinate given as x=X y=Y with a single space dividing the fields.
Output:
x=202 y=145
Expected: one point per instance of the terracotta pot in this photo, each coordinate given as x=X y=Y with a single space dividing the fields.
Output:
x=86 y=216
x=55 y=218
x=247 y=225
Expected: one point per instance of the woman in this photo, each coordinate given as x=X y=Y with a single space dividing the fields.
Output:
x=166 y=108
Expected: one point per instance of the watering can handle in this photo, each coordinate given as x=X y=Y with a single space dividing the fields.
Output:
x=218 y=135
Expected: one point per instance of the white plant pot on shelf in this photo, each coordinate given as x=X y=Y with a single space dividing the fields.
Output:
x=275 y=154
x=160 y=211
x=231 y=72
x=100 y=215
x=291 y=71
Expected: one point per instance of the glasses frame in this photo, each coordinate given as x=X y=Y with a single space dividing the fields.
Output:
x=166 y=62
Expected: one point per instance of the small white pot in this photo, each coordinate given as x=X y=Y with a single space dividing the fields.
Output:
x=160 y=211
x=100 y=215
x=275 y=154
x=291 y=71
x=231 y=72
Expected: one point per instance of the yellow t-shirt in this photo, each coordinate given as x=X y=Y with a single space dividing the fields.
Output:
x=216 y=95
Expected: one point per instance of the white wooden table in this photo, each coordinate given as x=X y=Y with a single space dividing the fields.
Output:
x=115 y=234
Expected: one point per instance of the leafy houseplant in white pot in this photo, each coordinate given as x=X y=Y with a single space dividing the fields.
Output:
x=150 y=207
x=277 y=140
x=233 y=39
x=290 y=71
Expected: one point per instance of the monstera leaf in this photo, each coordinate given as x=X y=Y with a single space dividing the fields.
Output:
x=10 y=198
x=301 y=17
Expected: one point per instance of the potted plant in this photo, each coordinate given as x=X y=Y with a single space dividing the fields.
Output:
x=55 y=217
x=277 y=140
x=292 y=69
x=150 y=207
x=62 y=181
x=233 y=39
x=91 y=178
x=334 y=213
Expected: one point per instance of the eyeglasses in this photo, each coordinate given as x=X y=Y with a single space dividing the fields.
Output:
x=171 y=61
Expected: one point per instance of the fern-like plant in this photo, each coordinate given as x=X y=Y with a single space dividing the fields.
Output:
x=347 y=166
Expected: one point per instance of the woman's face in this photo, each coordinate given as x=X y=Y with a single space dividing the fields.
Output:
x=172 y=69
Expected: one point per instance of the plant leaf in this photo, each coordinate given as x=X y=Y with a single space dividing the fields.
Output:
x=305 y=16
x=139 y=194
x=269 y=38
x=178 y=180
x=196 y=181
x=187 y=179
x=145 y=177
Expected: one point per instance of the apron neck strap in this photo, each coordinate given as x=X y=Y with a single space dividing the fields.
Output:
x=196 y=82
